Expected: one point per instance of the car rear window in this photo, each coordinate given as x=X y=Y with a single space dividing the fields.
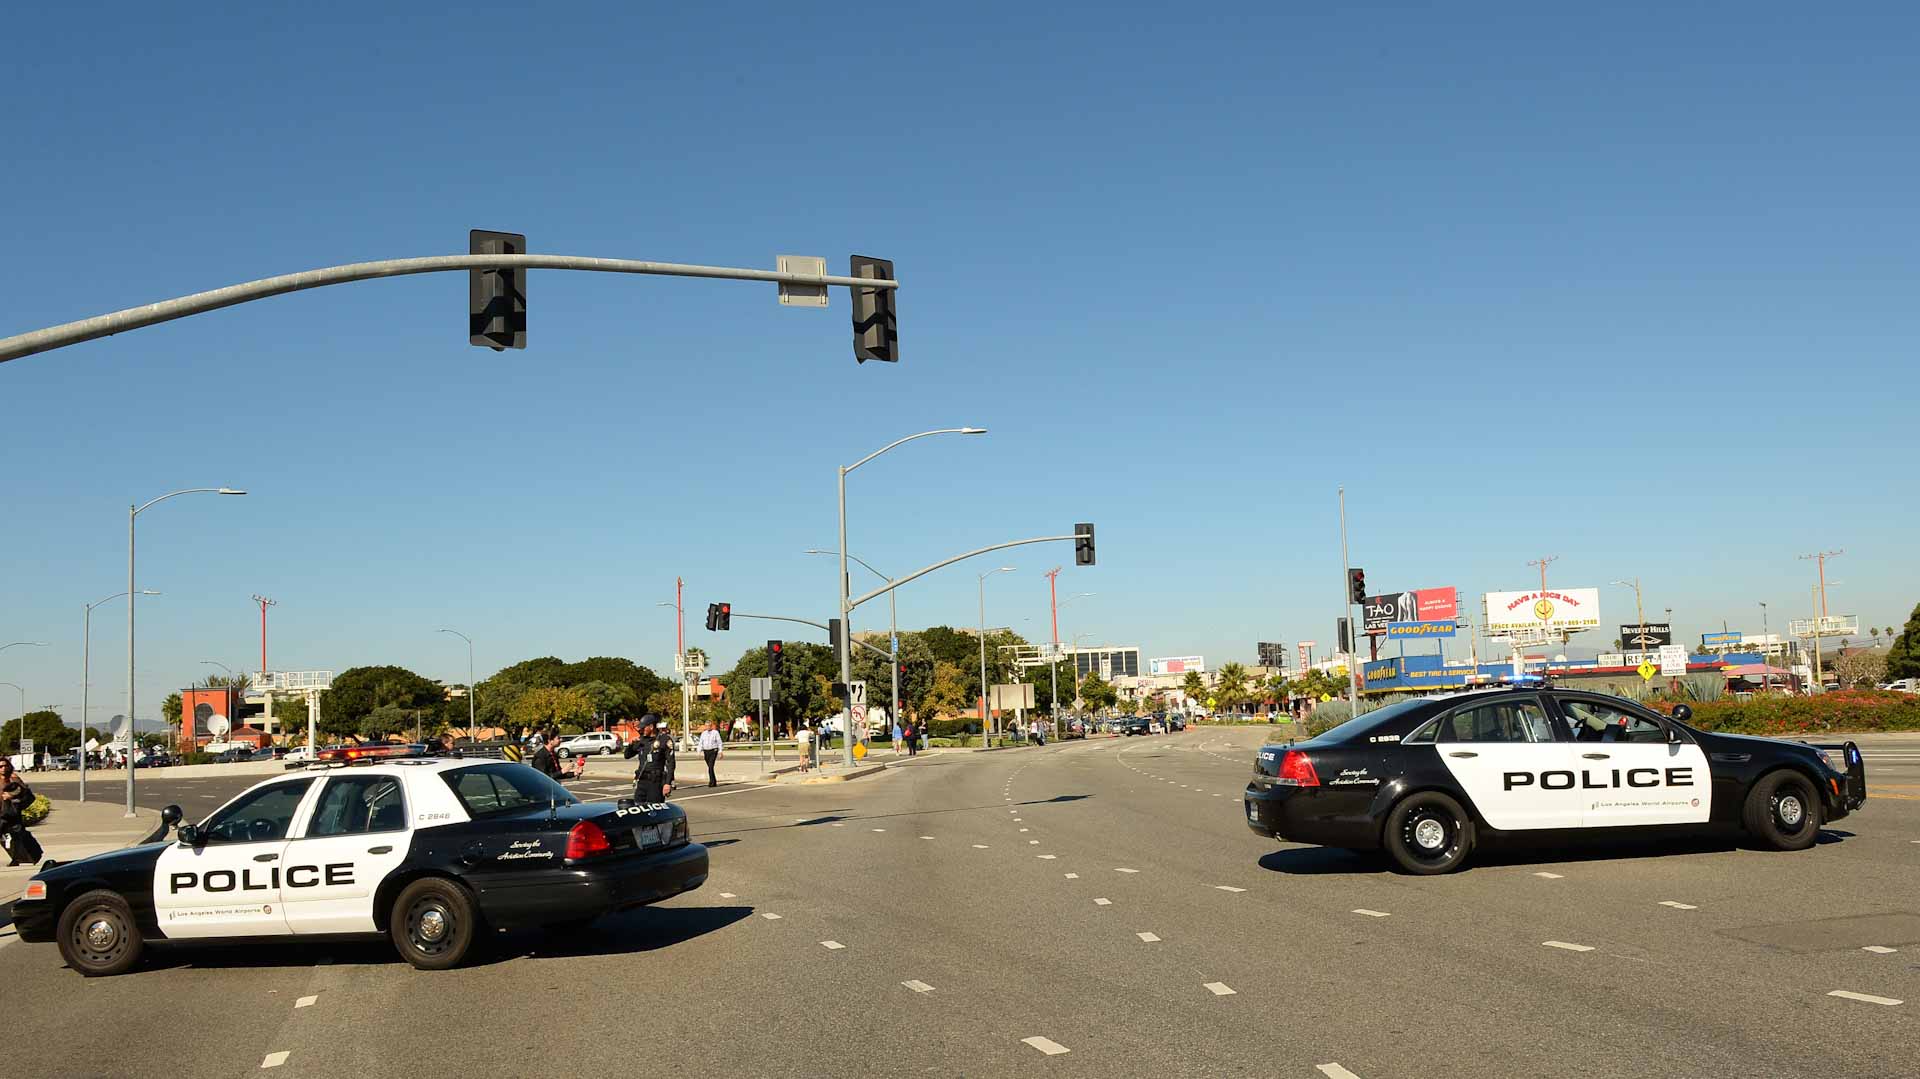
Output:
x=490 y=789
x=1363 y=725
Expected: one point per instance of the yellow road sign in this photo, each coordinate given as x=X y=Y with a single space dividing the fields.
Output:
x=859 y=750
x=1647 y=671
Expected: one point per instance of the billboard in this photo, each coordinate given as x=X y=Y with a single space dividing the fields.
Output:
x=1650 y=635
x=1410 y=630
x=1719 y=640
x=1566 y=610
x=1419 y=605
x=1831 y=625
x=1177 y=665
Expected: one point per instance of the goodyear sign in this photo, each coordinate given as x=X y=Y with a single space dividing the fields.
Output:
x=1420 y=629
x=1376 y=671
x=1711 y=640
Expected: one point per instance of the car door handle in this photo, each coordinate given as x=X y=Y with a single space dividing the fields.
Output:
x=265 y=857
x=1594 y=756
x=1463 y=753
x=380 y=850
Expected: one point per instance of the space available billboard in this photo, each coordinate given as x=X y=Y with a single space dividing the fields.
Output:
x=1651 y=635
x=1559 y=610
x=1419 y=605
x=1177 y=665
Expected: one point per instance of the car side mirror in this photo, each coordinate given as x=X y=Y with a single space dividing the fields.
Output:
x=170 y=816
x=190 y=835
x=1673 y=734
x=1682 y=712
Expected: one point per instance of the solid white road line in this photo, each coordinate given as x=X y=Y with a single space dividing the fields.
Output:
x=1371 y=913
x=1678 y=906
x=274 y=1060
x=832 y=945
x=1334 y=1071
x=1865 y=998
x=1103 y=902
x=1227 y=888
x=1219 y=989
x=770 y=916
x=918 y=986
x=1047 y=1046
x=715 y=794
x=1878 y=949
x=1564 y=944
x=305 y=1002
x=1147 y=938
x=1548 y=876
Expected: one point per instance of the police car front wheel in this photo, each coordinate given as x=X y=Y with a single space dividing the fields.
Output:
x=97 y=934
x=1783 y=812
x=433 y=924
x=1428 y=833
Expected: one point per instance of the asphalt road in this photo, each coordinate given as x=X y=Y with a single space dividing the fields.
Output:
x=1088 y=909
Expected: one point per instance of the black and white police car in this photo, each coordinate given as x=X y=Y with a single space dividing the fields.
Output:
x=1426 y=778
x=431 y=852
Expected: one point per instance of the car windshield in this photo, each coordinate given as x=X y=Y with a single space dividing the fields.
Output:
x=1362 y=725
x=490 y=789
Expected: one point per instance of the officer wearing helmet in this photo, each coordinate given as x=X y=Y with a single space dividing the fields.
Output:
x=653 y=778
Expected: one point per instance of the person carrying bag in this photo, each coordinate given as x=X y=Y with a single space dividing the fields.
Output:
x=15 y=797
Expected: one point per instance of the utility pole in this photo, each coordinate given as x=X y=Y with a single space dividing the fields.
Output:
x=1542 y=562
x=264 y=603
x=1346 y=606
x=1820 y=612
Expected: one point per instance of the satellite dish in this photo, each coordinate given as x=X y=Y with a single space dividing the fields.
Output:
x=118 y=728
x=217 y=725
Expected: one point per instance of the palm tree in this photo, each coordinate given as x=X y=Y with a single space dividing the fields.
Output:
x=1230 y=689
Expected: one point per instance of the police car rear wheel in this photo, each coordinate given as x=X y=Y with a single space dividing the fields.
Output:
x=433 y=924
x=1783 y=812
x=97 y=935
x=1428 y=833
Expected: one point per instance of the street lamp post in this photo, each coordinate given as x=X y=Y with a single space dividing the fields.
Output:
x=846 y=632
x=86 y=675
x=23 y=693
x=1054 y=667
x=986 y=712
x=470 y=690
x=893 y=625
x=1639 y=613
x=133 y=513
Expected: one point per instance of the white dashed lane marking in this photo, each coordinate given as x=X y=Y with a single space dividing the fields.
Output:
x=1147 y=938
x=1678 y=906
x=979 y=846
x=1864 y=998
x=1879 y=949
x=1120 y=870
x=879 y=829
x=1219 y=989
x=1047 y=857
x=1549 y=876
x=1227 y=888
x=305 y=1002
x=1103 y=902
x=728 y=895
x=1073 y=876
x=918 y=986
x=1565 y=945
x=770 y=916
x=1372 y=913
x=926 y=837
x=274 y=1060
x=1046 y=1045
x=832 y=945
x=1334 y=1071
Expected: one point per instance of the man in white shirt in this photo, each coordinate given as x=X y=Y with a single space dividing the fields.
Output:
x=710 y=749
x=803 y=741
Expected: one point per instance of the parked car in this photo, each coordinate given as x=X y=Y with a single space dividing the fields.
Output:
x=233 y=755
x=592 y=743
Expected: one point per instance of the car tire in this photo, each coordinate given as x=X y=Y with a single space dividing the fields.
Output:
x=433 y=923
x=98 y=936
x=1782 y=812
x=1428 y=833
x=606 y=751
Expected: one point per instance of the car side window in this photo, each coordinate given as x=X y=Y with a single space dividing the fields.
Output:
x=352 y=805
x=259 y=815
x=504 y=788
x=1498 y=721
x=1593 y=721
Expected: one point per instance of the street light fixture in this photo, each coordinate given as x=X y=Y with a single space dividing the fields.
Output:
x=985 y=712
x=470 y=690
x=1053 y=668
x=893 y=626
x=846 y=652
x=86 y=675
x=23 y=693
x=133 y=513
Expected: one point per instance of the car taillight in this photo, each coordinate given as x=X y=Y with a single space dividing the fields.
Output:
x=1297 y=771
x=587 y=840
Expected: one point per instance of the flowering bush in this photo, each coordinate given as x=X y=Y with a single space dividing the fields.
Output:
x=1843 y=712
x=36 y=810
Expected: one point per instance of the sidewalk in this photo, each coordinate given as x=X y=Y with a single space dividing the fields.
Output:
x=745 y=764
x=75 y=830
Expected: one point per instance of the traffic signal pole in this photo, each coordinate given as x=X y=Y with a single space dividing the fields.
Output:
x=1346 y=604
x=133 y=318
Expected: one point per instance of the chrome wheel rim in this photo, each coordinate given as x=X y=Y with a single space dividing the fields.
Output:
x=1430 y=834
x=100 y=938
x=101 y=934
x=1791 y=811
x=430 y=926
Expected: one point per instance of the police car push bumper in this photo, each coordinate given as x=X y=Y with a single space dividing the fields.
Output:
x=1427 y=778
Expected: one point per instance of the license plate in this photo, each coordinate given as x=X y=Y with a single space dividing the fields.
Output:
x=652 y=835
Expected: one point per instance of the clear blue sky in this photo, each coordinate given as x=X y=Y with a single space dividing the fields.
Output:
x=1634 y=287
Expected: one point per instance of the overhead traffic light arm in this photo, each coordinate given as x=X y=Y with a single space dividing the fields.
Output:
x=822 y=626
x=133 y=318
x=891 y=585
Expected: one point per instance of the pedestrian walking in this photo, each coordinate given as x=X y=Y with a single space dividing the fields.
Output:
x=803 y=741
x=912 y=733
x=15 y=797
x=896 y=738
x=710 y=749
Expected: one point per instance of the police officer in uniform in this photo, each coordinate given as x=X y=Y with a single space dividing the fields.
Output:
x=653 y=779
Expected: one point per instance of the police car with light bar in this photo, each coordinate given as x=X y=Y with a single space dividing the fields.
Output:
x=433 y=853
x=1426 y=779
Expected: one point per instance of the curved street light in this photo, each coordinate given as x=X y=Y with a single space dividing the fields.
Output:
x=470 y=689
x=86 y=676
x=985 y=712
x=23 y=693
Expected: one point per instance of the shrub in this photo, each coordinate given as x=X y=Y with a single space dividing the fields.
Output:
x=1845 y=711
x=951 y=728
x=36 y=810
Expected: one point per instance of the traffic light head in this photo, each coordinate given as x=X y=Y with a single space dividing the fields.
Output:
x=497 y=298
x=1357 y=585
x=713 y=617
x=1083 y=545
x=773 y=659
x=876 y=332
x=726 y=616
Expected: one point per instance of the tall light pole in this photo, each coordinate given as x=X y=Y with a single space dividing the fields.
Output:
x=1638 y=612
x=133 y=514
x=1820 y=613
x=985 y=711
x=264 y=603
x=680 y=658
x=846 y=631
x=470 y=689
x=1766 y=635
x=23 y=693
x=86 y=675
x=1054 y=667
x=1346 y=606
x=893 y=625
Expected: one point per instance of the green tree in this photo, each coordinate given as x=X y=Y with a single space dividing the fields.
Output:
x=358 y=691
x=1230 y=686
x=566 y=708
x=45 y=728
x=1903 y=659
x=1097 y=691
x=947 y=693
x=387 y=719
x=290 y=715
x=1194 y=687
x=613 y=701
